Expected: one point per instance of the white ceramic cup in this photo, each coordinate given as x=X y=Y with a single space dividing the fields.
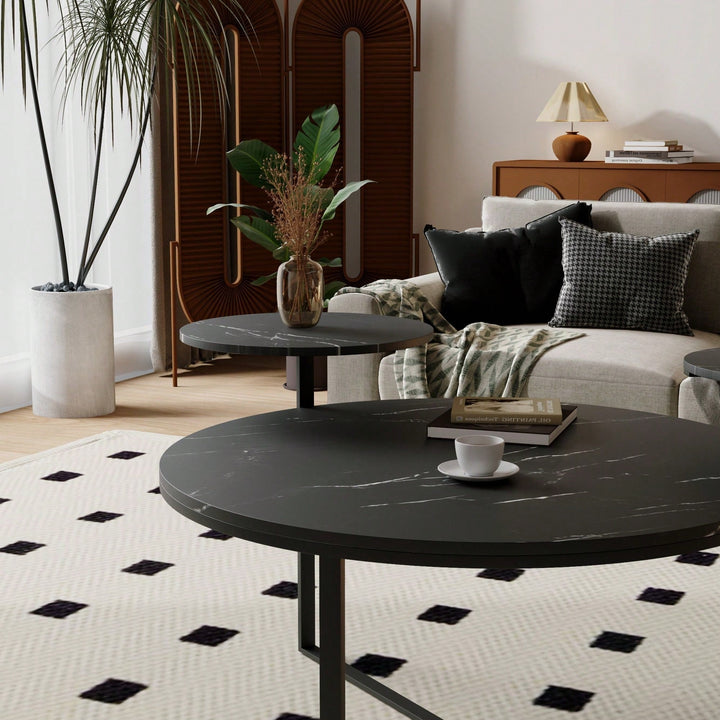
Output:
x=479 y=455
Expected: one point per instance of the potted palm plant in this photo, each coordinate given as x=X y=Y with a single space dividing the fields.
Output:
x=113 y=54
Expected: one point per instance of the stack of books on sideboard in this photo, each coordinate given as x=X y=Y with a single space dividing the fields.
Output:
x=528 y=421
x=663 y=152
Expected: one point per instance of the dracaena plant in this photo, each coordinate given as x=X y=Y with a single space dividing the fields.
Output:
x=300 y=204
x=113 y=52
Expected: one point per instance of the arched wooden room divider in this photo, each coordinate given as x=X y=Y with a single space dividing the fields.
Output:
x=212 y=265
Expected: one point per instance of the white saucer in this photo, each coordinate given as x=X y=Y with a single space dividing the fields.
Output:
x=452 y=469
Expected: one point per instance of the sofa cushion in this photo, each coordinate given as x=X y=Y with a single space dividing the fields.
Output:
x=504 y=277
x=615 y=280
x=621 y=368
x=702 y=289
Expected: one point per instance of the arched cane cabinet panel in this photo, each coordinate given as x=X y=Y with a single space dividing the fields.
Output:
x=213 y=279
x=385 y=122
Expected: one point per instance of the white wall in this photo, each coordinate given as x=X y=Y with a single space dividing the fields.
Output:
x=28 y=249
x=489 y=67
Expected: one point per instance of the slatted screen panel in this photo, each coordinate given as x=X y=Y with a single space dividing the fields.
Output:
x=386 y=120
x=206 y=285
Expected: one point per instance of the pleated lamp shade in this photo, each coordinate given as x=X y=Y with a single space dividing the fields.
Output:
x=572 y=102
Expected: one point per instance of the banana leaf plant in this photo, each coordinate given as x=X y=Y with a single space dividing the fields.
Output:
x=314 y=150
x=113 y=53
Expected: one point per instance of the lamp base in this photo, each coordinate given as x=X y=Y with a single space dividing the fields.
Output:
x=571 y=147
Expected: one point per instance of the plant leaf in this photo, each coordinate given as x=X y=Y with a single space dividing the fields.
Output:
x=319 y=197
x=258 y=230
x=264 y=214
x=332 y=287
x=263 y=279
x=248 y=159
x=318 y=139
x=342 y=196
x=281 y=253
x=335 y=262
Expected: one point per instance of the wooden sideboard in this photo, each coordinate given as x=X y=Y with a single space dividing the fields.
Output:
x=594 y=180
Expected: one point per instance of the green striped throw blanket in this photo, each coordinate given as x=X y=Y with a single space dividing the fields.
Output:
x=479 y=360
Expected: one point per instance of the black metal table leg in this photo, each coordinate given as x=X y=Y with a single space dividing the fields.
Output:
x=306 y=602
x=333 y=670
x=305 y=381
x=332 y=638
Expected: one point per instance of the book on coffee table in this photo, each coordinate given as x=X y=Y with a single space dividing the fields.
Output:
x=506 y=410
x=530 y=434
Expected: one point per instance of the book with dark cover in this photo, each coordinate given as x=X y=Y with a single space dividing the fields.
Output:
x=443 y=427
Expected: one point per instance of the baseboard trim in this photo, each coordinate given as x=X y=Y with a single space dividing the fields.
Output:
x=132 y=359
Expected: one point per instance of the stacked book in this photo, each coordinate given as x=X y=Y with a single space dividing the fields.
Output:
x=663 y=152
x=528 y=421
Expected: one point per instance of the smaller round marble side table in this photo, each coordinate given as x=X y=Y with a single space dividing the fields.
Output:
x=335 y=334
x=703 y=363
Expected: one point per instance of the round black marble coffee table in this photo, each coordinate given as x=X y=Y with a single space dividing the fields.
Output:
x=703 y=363
x=335 y=334
x=360 y=481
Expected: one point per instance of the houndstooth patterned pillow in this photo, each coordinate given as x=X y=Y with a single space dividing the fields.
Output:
x=623 y=281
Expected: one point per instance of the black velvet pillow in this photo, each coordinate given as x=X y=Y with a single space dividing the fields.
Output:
x=505 y=277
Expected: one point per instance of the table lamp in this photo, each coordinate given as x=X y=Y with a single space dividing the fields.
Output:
x=572 y=102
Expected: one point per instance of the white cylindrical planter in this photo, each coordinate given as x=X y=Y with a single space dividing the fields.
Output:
x=72 y=356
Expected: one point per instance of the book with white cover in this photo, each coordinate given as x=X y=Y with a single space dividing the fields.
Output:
x=647 y=153
x=651 y=143
x=649 y=161
x=524 y=410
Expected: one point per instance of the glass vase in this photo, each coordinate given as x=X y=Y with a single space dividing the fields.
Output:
x=300 y=291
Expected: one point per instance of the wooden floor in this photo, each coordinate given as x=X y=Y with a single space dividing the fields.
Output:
x=206 y=395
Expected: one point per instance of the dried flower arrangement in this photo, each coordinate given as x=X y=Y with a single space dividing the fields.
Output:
x=299 y=204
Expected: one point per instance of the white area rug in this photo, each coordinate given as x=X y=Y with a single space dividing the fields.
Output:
x=114 y=606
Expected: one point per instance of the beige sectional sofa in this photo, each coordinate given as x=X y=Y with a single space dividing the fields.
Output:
x=622 y=368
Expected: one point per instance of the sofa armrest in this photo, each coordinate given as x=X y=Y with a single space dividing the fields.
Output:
x=431 y=286
x=355 y=377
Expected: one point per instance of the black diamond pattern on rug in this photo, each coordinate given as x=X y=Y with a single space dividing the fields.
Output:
x=506 y=574
x=100 y=516
x=21 y=547
x=59 y=609
x=283 y=589
x=563 y=698
x=147 y=567
x=660 y=596
x=618 y=642
x=113 y=691
x=125 y=455
x=155 y=490
x=293 y=716
x=215 y=535
x=698 y=558
x=4 y=500
x=209 y=635
x=378 y=665
x=444 y=614
x=61 y=476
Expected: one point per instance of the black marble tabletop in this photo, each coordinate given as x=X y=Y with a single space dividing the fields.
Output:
x=704 y=363
x=360 y=481
x=335 y=334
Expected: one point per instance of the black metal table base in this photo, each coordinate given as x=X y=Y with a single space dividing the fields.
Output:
x=330 y=655
x=305 y=393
